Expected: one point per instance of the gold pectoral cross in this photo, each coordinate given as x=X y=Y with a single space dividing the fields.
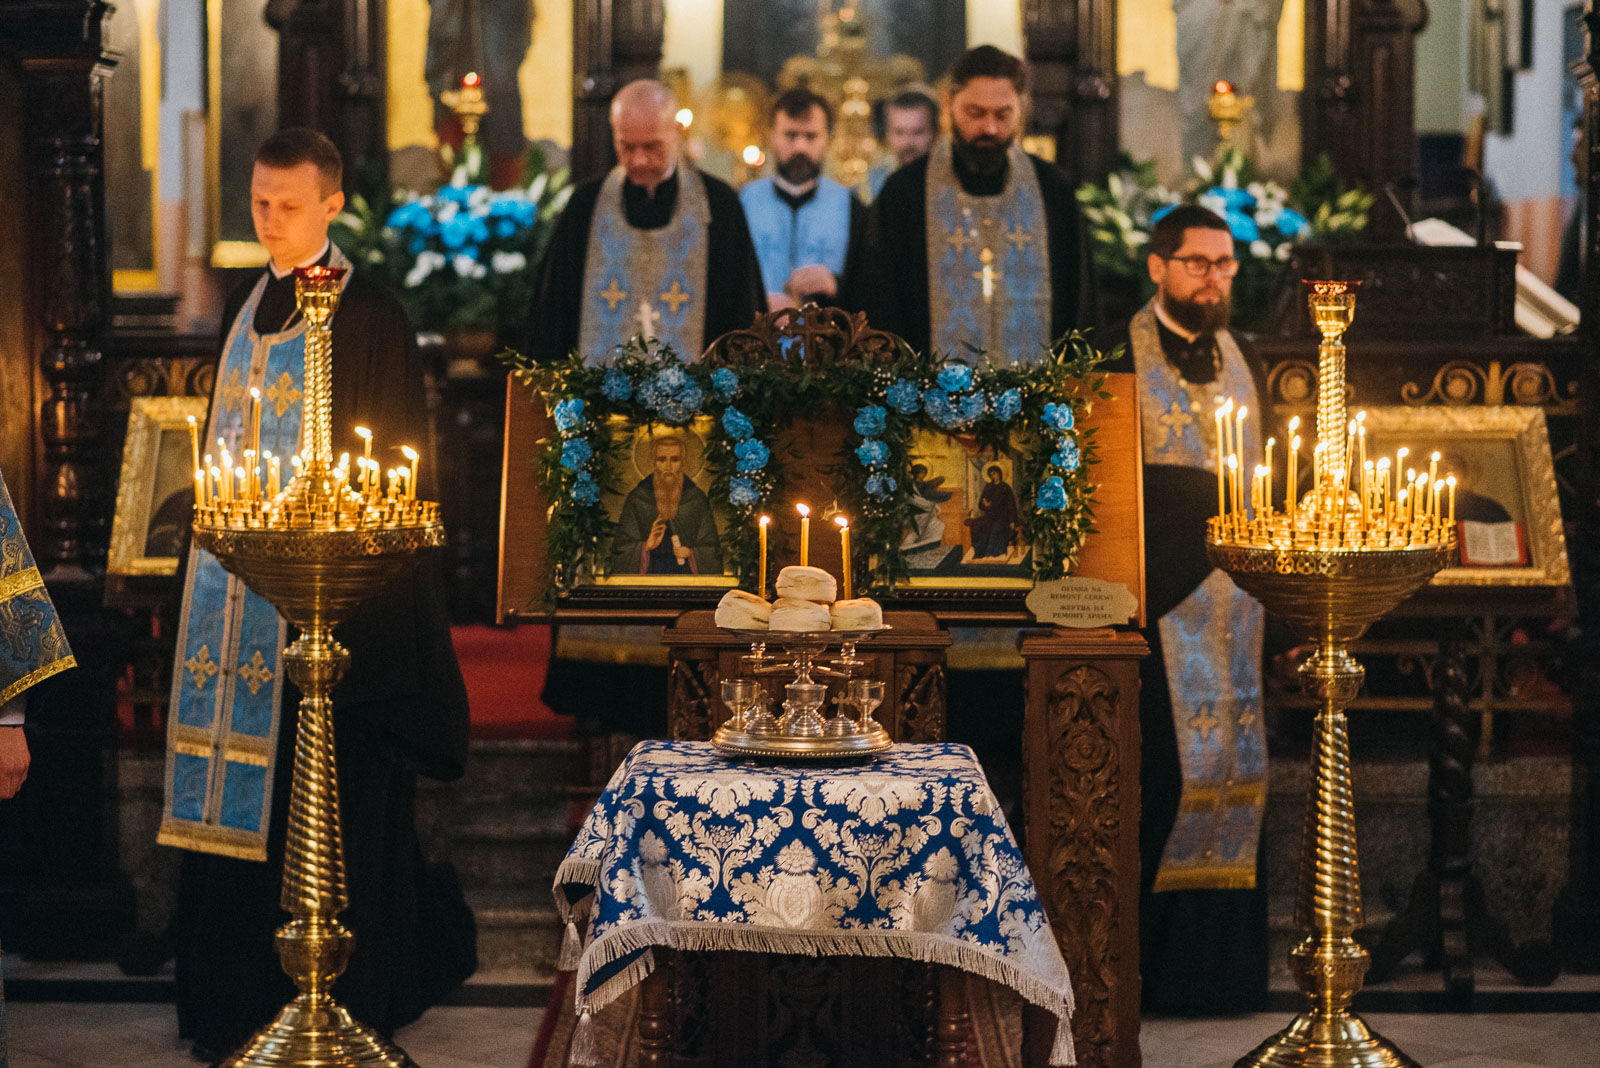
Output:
x=647 y=317
x=989 y=275
x=1174 y=421
x=613 y=295
x=674 y=297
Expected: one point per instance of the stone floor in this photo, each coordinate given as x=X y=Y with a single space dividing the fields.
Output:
x=59 y=1035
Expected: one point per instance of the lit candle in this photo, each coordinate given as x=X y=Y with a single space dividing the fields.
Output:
x=1361 y=438
x=1433 y=468
x=394 y=483
x=221 y=483
x=1451 y=482
x=1267 y=498
x=199 y=488
x=1400 y=511
x=844 y=547
x=1368 y=477
x=762 y=524
x=1433 y=507
x=1400 y=455
x=805 y=532
x=411 y=471
x=1238 y=451
x=1383 y=489
x=1222 y=463
x=275 y=472
x=1233 y=477
x=255 y=421
x=366 y=457
x=249 y=487
x=243 y=490
x=1292 y=485
x=1344 y=473
x=194 y=441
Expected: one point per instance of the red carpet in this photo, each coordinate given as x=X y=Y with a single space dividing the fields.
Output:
x=504 y=669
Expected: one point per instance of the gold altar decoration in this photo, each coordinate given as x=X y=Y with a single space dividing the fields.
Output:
x=1229 y=110
x=469 y=105
x=316 y=549
x=1331 y=563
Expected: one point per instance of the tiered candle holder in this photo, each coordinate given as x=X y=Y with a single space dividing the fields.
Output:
x=316 y=550
x=1331 y=563
x=801 y=732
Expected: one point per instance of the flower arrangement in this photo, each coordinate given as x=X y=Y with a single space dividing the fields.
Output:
x=1266 y=219
x=461 y=258
x=1032 y=412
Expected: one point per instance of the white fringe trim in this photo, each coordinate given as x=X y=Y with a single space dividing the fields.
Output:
x=925 y=946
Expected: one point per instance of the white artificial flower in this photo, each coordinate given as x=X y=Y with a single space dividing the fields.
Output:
x=1257 y=190
x=1267 y=214
x=446 y=211
x=507 y=262
x=1281 y=253
x=428 y=261
x=1215 y=202
x=1202 y=168
x=1230 y=178
x=1260 y=249
x=467 y=267
x=478 y=200
x=536 y=187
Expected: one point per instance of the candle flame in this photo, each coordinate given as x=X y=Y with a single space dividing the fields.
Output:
x=844 y=523
x=765 y=520
x=1450 y=481
x=1294 y=424
x=803 y=509
x=409 y=453
x=363 y=433
x=1434 y=457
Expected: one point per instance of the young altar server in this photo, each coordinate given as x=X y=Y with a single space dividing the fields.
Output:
x=32 y=649
x=653 y=248
x=803 y=222
x=400 y=709
x=1202 y=914
x=977 y=243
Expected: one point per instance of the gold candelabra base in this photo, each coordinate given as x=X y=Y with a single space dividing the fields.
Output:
x=1331 y=596
x=316 y=578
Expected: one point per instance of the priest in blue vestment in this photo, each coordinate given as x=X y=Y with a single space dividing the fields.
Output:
x=32 y=649
x=400 y=709
x=803 y=222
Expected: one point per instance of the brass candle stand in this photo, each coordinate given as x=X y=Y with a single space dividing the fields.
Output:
x=1332 y=563
x=316 y=550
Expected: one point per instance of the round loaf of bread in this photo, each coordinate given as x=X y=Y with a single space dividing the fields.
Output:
x=862 y=613
x=807 y=584
x=794 y=614
x=739 y=610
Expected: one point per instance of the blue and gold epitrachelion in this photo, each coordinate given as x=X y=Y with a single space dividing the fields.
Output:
x=1211 y=641
x=32 y=644
x=227 y=686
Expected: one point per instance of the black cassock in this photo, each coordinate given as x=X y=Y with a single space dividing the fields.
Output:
x=887 y=276
x=401 y=709
x=733 y=275
x=1200 y=950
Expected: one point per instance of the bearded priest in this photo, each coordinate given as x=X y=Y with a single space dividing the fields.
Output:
x=977 y=243
x=1202 y=912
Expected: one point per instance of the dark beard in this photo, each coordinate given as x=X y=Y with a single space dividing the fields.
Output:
x=984 y=158
x=799 y=169
x=1198 y=318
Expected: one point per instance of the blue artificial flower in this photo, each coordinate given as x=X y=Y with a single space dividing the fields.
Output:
x=681 y=407
x=1052 y=495
x=461 y=194
x=1161 y=212
x=870 y=420
x=617 y=386
x=904 y=397
x=936 y=402
x=1292 y=224
x=743 y=491
x=752 y=454
x=880 y=486
x=872 y=453
x=568 y=415
x=1234 y=199
x=576 y=453
x=1242 y=226
x=478 y=230
x=673 y=379
x=505 y=228
x=471 y=252
x=585 y=490
x=413 y=214
x=737 y=424
x=1058 y=416
x=725 y=383
x=416 y=245
x=972 y=406
x=954 y=377
x=1067 y=457
x=455 y=233
x=1007 y=405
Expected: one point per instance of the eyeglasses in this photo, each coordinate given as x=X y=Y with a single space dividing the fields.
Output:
x=1199 y=266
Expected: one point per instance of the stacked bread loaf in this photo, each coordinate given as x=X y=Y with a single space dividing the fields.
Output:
x=806 y=603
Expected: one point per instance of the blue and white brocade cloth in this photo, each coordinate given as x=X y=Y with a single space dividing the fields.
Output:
x=909 y=856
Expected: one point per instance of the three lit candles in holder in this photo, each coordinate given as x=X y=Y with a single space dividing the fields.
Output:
x=1363 y=504
x=840 y=521
x=247 y=492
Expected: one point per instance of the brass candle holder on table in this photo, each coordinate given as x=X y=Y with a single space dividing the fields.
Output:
x=316 y=550
x=1331 y=563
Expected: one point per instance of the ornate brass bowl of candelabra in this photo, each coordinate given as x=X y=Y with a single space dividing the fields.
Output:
x=316 y=550
x=1331 y=563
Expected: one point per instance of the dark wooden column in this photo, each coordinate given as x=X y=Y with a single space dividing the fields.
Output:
x=614 y=42
x=331 y=61
x=1357 y=105
x=1072 y=52
x=1577 y=913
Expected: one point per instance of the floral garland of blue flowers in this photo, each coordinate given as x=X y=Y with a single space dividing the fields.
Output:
x=1033 y=413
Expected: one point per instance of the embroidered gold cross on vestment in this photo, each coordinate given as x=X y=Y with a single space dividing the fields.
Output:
x=613 y=295
x=959 y=240
x=674 y=297
x=283 y=394
x=1174 y=422
x=255 y=673
x=233 y=391
x=202 y=667
x=1204 y=722
x=1019 y=237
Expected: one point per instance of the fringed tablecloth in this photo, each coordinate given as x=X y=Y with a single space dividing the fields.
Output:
x=909 y=856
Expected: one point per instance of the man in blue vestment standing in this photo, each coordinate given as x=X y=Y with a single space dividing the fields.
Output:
x=32 y=648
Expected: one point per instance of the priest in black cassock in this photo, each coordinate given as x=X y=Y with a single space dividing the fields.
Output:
x=1202 y=911
x=977 y=243
x=401 y=708
x=654 y=247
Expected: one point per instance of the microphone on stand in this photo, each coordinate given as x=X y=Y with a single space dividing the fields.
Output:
x=1410 y=183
